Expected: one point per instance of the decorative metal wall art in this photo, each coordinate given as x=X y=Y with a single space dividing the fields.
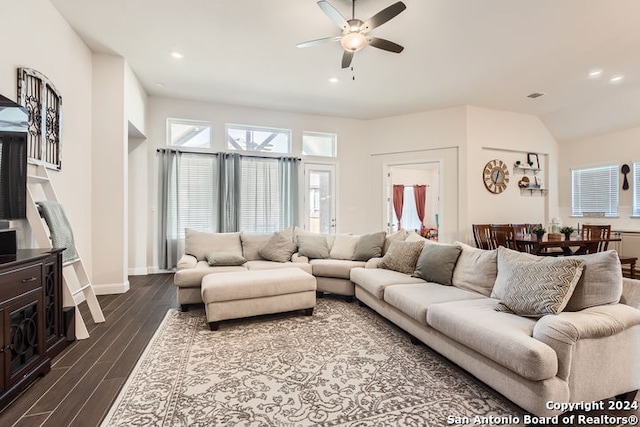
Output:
x=44 y=105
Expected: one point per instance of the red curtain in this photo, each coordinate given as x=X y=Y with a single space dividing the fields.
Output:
x=420 y=195
x=398 y=202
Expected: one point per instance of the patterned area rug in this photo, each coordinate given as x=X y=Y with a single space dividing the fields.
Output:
x=345 y=366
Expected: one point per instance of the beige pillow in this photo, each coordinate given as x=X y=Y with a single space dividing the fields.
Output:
x=476 y=269
x=313 y=246
x=399 y=235
x=251 y=244
x=344 y=246
x=279 y=248
x=415 y=237
x=601 y=281
x=537 y=288
x=402 y=256
x=199 y=243
x=222 y=258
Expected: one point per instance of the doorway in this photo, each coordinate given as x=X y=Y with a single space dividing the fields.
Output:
x=320 y=200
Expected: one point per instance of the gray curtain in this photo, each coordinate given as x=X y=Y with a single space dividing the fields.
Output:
x=167 y=175
x=288 y=171
x=229 y=187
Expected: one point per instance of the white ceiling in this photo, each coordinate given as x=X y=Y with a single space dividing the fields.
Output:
x=489 y=53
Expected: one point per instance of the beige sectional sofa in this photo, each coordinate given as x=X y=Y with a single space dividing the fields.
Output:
x=542 y=331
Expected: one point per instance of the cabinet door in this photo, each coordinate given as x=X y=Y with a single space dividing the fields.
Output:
x=22 y=323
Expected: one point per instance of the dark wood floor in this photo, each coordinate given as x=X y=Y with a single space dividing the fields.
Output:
x=87 y=376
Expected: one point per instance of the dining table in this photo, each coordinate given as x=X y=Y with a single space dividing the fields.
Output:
x=574 y=246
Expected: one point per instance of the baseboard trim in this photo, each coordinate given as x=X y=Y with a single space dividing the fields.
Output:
x=111 y=288
x=138 y=271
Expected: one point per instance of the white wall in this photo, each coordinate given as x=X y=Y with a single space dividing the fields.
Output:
x=507 y=136
x=615 y=148
x=35 y=36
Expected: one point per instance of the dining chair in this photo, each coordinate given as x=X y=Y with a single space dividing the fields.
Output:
x=501 y=235
x=597 y=232
x=481 y=235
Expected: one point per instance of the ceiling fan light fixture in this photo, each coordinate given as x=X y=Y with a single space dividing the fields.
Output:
x=353 y=42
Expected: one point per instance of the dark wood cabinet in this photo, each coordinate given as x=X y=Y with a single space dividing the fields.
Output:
x=32 y=328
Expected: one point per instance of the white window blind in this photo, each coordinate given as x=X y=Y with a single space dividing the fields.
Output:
x=595 y=190
x=636 y=189
x=260 y=198
x=195 y=205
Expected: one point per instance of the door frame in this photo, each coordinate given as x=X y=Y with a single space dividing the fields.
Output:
x=324 y=167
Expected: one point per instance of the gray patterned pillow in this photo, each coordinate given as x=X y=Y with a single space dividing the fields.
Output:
x=534 y=289
x=402 y=256
x=279 y=248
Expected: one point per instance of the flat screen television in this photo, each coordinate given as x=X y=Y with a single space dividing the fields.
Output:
x=13 y=175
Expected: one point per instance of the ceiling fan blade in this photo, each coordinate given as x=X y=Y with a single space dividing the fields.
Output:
x=385 y=45
x=347 y=57
x=319 y=41
x=384 y=15
x=333 y=13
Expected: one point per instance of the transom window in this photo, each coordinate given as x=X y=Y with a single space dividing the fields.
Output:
x=319 y=144
x=595 y=191
x=260 y=139
x=188 y=133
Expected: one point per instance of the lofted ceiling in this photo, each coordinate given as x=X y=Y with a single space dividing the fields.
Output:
x=488 y=53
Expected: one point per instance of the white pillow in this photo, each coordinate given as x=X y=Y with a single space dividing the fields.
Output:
x=344 y=246
x=199 y=243
x=476 y=269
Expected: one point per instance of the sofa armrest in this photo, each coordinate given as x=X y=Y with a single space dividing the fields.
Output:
x=296 y=257
x=563 y=331
x=187 y=261
x=631 y=292
x=373 y=263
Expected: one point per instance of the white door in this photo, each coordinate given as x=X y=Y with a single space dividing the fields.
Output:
x=320 y=200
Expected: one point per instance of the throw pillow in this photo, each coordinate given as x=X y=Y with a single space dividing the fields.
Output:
x=313 y=246
x=369 y=246
x=415 y=237
x=199 y=243
x=399 y=235
x=506 y=260
x=343 y=246
x=224 y=258
x=537 y=288
x=476 y=269
x=251 y=244
x=437 y=262
x=601 y=281
x=279 y=248
x=402 y=256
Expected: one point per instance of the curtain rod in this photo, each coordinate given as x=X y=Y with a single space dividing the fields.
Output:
x=208 y=153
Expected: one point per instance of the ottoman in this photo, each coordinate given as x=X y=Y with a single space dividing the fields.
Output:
x=247 y=293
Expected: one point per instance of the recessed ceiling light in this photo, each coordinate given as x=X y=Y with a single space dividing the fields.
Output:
x=160 y=84
x=616 y=79
x=594 y=74
x=333 y=80
x=177 y=55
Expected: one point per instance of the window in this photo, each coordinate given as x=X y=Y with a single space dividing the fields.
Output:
x=410 y=219
x=595 y=190
x=188 y=133
x=636 y=189
x=319 y=144
x=253 y=138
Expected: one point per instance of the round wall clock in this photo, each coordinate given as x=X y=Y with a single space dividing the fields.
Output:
x=495 y=176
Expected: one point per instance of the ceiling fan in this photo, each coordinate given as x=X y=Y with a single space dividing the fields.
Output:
x=355 y=31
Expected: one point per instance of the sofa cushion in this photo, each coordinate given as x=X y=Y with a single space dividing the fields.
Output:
x=369 y=246
x=279 y=248
x=402 y=256
x=192 y=277
x=251 y=244
x=344 y=246
x=313 y=246
x=600 y=283
x=476 y=269
x=337 y=268
x=375 y=280
x=536 y=288
x=270 y=265
x=502 y=337
x=199 y=243
x=436 y=263
x=415 y=299
x=222 y=258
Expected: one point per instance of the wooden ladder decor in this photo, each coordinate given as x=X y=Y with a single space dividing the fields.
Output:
x=77 y=286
